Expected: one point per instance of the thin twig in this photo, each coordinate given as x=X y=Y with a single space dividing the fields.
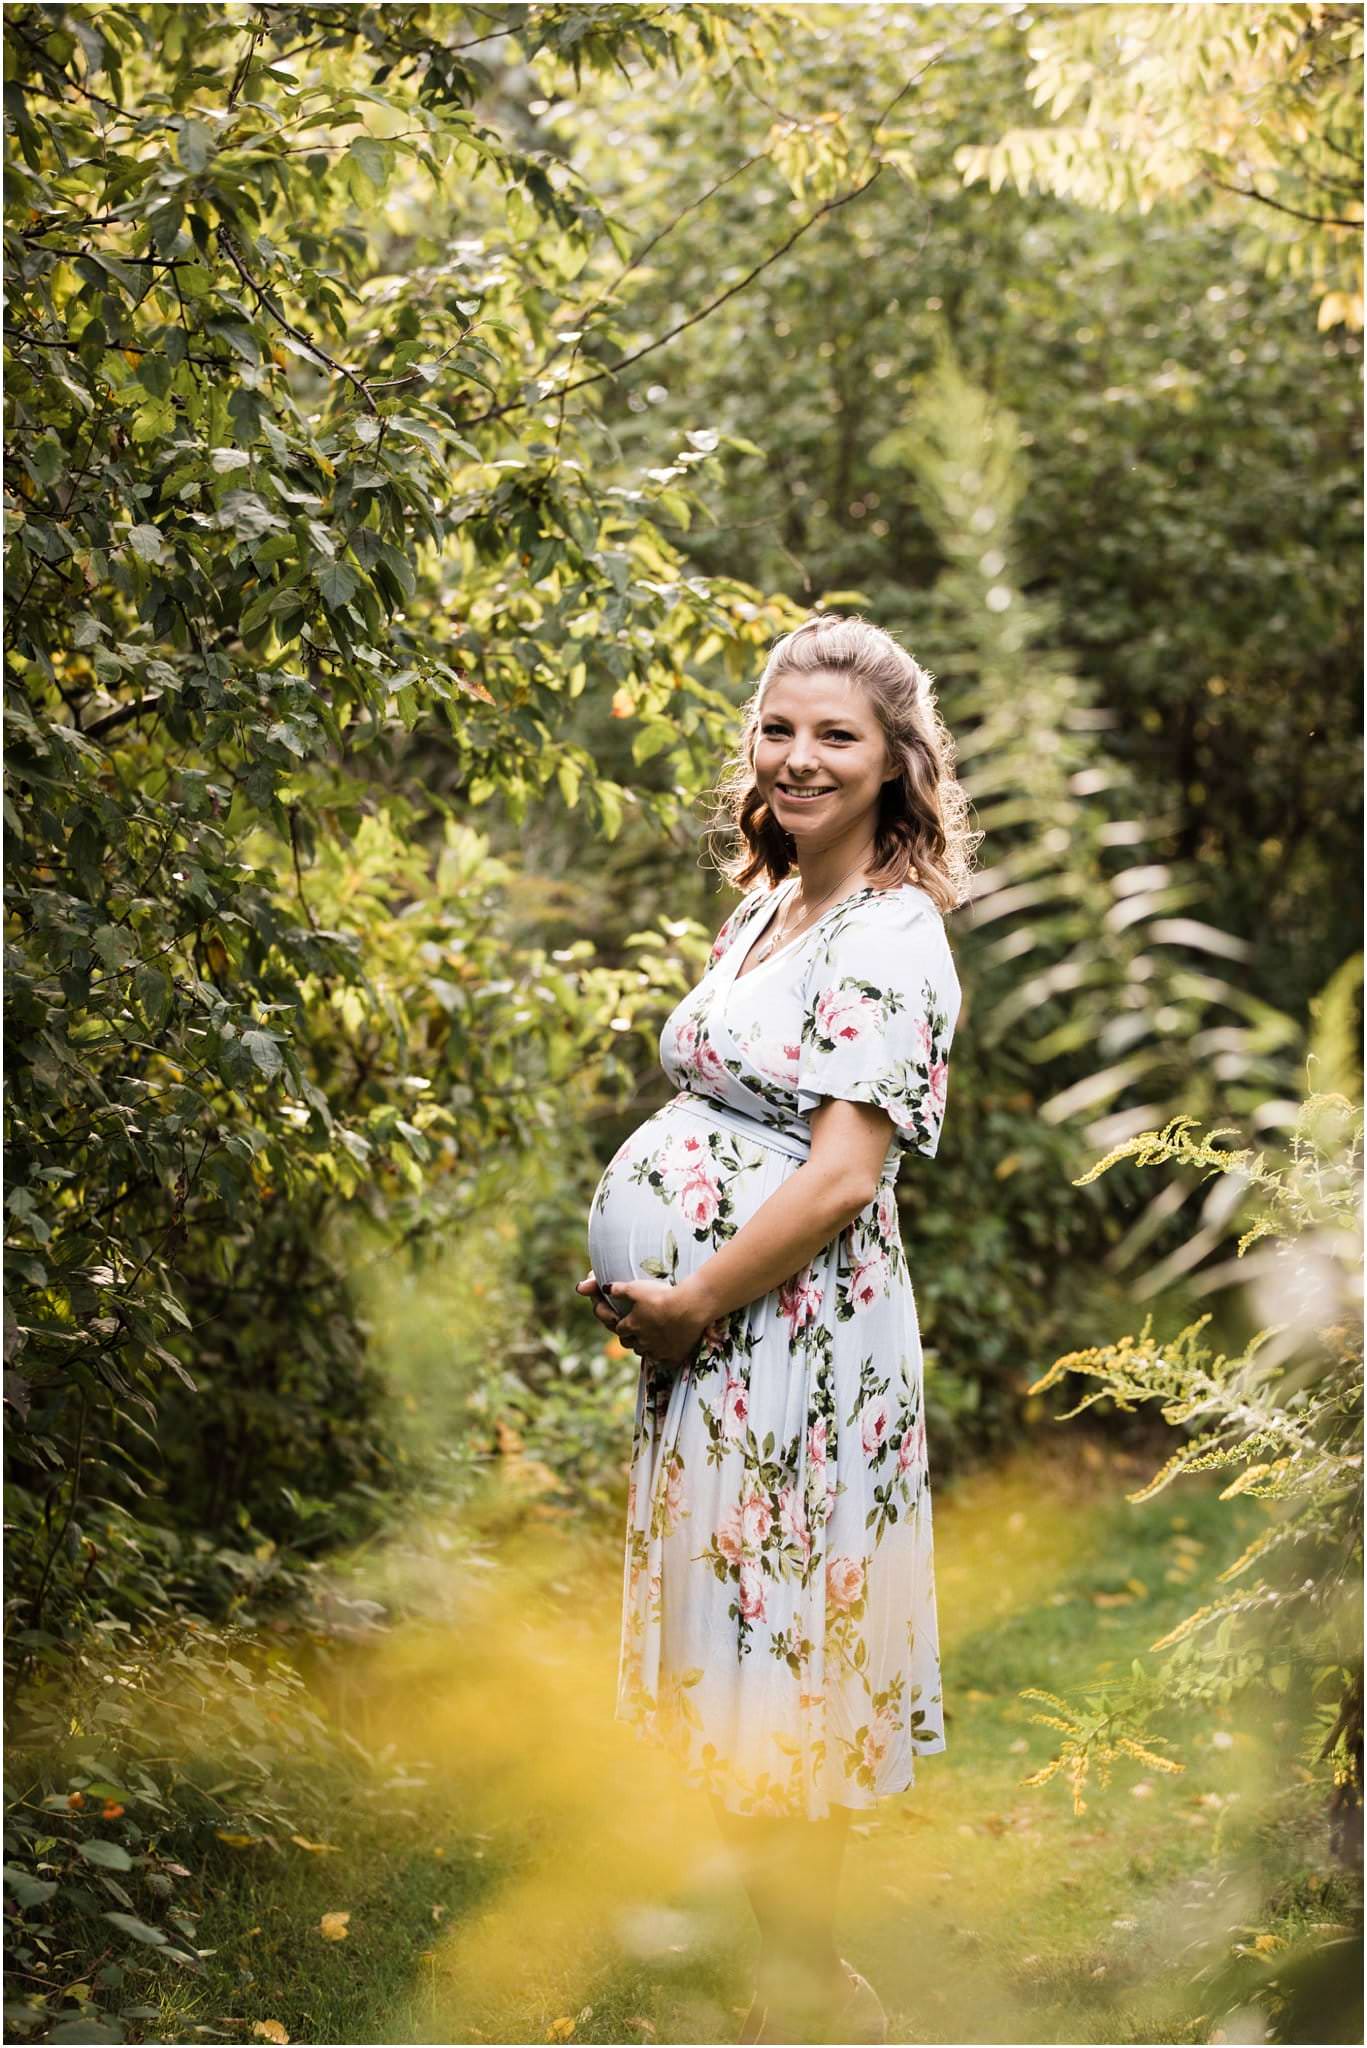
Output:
x=1319 y=220
x=498 y=412
x=298 y=871
x=225 y=241
x=75 y=347
x=121 y=715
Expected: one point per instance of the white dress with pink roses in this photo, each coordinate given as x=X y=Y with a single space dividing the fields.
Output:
x=779 y=1625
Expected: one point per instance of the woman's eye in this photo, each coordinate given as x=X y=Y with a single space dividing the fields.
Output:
x=777 y=732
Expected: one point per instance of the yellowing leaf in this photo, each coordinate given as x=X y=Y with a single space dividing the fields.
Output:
x=560 y=2030
x=269 y=2030
x=622 y=704
x=237 y=1841
x=316 y=1848
x=335 y=1926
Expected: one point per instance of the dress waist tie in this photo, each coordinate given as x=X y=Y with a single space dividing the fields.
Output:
x=713 y=1112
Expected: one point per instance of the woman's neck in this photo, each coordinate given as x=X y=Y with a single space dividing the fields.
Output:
x=823 y=871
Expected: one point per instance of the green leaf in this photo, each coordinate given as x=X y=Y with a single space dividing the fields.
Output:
x=152 y=421
x=29 y=1891
x=265 y=1052
x=147 y=543
x=372 y=157
x=114 y=946
x=337 y=584
x=152 y=989
x=138 y=1929
x=108 y=1855
x=195 y=144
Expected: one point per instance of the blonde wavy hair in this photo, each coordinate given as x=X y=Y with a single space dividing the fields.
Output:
x=923 y=834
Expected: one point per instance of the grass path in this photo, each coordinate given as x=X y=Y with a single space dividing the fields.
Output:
x=521 y=1867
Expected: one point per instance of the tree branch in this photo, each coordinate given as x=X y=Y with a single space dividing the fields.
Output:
x=498 y=412
x=1319 y=220
x=225 y=242
x=75 y=347
x=122 y=714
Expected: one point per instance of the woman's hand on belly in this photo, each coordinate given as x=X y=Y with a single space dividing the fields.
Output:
x=662 y=1323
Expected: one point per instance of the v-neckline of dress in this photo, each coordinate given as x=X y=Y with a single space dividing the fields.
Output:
x=747 y=943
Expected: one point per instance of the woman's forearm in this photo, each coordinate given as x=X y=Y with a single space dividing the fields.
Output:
x=784 y=1234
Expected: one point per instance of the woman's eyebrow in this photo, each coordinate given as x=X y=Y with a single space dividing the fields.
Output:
x=777 y=718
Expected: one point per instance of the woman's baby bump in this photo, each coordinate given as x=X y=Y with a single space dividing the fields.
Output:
x=660 y=1191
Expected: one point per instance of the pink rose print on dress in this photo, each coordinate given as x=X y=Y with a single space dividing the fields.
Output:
x=631 y=1502
x=729 y=1536
x=793 y=1521
x=912 y=1448
x=843 y=1015
x=887 y=1212
x=714 y=1338
x=820 y=1473
x=756 y=1520
x=800 y=1301
x=875 y=1423
x=751 y=1593
x=680 y=1160
x=868 y=1282
x=925 y=1038
x=735 y=1410
x=939 y=1082
x=776 y=1062
x=700 y=1199
x=844 y=1581
x=674 y=1489
x=878 y=1740
x=693 y=1049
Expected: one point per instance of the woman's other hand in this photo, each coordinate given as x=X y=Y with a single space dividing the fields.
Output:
x=602 y=1307
x=661 y=1322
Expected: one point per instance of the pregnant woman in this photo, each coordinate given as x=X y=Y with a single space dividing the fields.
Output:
x=779 y=1625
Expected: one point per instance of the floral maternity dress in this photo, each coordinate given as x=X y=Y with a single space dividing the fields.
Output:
x=779 y=1625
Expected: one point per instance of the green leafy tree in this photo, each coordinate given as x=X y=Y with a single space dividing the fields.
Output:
x=1250 y=107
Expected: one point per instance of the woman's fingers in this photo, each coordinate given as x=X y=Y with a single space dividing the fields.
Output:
x=611 y=1318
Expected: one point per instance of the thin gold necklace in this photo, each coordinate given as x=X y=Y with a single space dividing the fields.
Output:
x=768 y=945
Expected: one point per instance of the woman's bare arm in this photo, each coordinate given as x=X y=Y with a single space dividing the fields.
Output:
x=849 y=1144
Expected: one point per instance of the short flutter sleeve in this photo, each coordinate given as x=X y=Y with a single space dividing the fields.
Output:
x=880 y=1002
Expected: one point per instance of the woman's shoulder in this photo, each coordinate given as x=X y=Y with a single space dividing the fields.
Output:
x=891 y=926
x=905 y=903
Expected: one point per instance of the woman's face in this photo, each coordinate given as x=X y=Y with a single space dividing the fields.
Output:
x=820 y=734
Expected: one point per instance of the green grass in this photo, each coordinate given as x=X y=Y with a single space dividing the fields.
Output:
x=511 y=1858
